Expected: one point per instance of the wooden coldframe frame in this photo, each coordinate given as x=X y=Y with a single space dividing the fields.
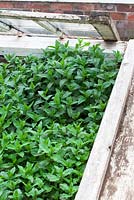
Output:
x=95 y=171
x=24 y=45
x=101 y=21
x=97 y=164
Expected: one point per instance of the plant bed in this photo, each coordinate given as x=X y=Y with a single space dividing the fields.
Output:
x=50 y=111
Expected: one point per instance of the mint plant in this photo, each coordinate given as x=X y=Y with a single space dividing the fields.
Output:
x=50 y=111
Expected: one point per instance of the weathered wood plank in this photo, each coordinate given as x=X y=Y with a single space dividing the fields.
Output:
x=101 y=21
x=97 y=164
x=44 y=16
x=52 y=28
x=8 y=26
x=104 y=25
x=119 y=179
x=33 y=45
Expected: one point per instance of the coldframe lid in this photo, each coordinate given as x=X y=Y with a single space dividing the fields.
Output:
x=32 y=28
x=23 y=32
x=62 y=25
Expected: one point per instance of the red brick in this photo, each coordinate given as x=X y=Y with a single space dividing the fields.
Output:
x=21 y=5
x=125 y=8
x=122 y=27
x=6 y=5
x=130 y=29
x=60 y=7
x=118 y=16
x=74 y=12
x=126 y=29
x=105 y=7
x=131 y=17
x=130 y=25
x=29 y=6
x=83 y=7
x=43 y=7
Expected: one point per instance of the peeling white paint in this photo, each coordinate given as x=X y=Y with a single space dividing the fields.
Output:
x=119 y=181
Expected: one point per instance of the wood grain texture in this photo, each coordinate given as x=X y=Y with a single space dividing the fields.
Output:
x=24 y=45
x=97 y=164
x=100 y=20
x=119 y=180
x=71 y=18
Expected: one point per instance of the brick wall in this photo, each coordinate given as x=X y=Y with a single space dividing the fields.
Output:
x=122 y=14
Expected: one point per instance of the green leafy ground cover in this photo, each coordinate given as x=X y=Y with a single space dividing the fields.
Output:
x=50 y=111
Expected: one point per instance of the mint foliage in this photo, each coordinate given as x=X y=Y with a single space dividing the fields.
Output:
x=50 y=111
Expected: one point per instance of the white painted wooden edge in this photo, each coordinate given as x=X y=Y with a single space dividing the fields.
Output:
x=102 y=22
x=25 y=45
x=97 y=164
x=28 y=15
